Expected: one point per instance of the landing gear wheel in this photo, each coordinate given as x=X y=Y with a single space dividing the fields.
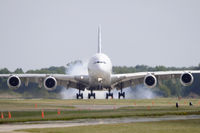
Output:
x=91 y=95
x=79 y=96
x=121 y=94
x=109 y=95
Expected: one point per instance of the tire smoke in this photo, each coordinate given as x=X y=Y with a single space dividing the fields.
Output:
x=80 y=68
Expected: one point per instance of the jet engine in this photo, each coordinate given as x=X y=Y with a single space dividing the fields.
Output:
x=186 y=79
x=14 y=82
x=150 y=81
x=50 y=83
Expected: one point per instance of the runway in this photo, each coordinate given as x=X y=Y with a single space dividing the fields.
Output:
x=10 y=128
x=100 y=107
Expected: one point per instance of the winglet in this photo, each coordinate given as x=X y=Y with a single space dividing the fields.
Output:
x=99 y=39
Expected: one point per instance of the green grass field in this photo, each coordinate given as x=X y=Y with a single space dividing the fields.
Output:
x=180 y=126
x=24 y=110
x=15 y=104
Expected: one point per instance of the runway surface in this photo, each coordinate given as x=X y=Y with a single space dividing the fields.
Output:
x=100 y=107
x=9 y=128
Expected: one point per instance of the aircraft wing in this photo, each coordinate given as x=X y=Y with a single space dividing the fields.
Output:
x=131 y=79
x=68 y=81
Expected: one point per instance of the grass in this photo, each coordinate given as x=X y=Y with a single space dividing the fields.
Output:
x=20 y=104
x=24 y=110
x=29 y=104
x=180 y=126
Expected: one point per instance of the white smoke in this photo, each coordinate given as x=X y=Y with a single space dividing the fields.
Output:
x=76 y=68
x=140 y=92
x=80 y=68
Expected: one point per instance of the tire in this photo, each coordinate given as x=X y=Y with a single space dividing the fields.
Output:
x=111 y=95
x=124 y=95
x=88 y=96
x=119 y=95
x=106 y=95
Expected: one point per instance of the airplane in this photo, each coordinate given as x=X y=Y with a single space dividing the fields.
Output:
x=99 y=77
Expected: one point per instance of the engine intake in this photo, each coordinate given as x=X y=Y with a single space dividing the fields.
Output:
x=14 y=82
x=186 y=79
x=150 y=81
x=50 y=83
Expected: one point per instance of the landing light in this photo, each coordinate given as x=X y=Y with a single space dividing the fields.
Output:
x=100 y=80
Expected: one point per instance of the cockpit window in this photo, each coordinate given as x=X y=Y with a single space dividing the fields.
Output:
x=100 y=62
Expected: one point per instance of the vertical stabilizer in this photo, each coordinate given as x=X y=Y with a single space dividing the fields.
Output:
x=99 y=39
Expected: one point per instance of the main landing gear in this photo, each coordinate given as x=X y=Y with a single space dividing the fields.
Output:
x=91 y=94
x=79 y=95
x=121 y=94
x=109 y=94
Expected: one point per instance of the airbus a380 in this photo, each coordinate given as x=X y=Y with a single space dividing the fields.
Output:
x=99 y=77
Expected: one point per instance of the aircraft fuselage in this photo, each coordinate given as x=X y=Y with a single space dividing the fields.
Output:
x=100 y=70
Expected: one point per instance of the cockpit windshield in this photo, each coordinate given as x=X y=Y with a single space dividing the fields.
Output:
x=100 y=62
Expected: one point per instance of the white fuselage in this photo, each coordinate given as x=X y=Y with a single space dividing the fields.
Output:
x=100 y=70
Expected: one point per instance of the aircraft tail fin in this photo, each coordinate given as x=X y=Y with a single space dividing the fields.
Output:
x=99 y=39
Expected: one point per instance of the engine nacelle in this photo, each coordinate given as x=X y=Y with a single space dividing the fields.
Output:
x=186 y=79
x=150 y=81
x=14 y=82
x=50 y=83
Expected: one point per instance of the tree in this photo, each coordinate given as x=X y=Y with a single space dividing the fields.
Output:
x=18 y=71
